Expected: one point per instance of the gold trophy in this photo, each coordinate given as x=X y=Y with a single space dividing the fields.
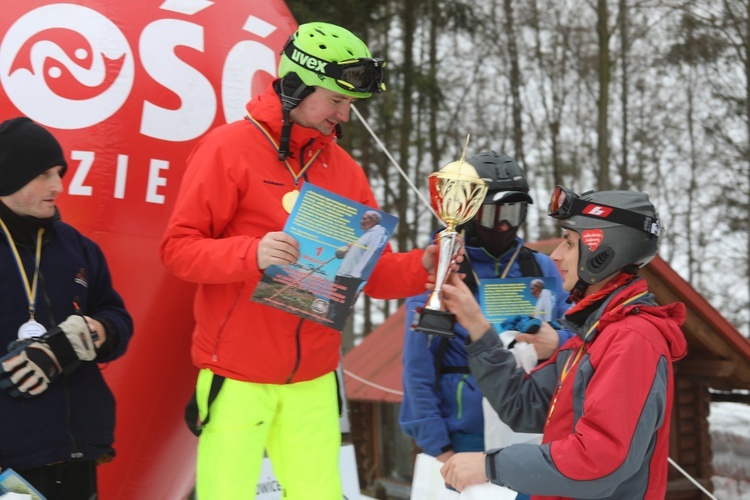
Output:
x=456 y=192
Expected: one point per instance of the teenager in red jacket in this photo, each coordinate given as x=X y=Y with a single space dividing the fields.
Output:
x=279 y=391
x=604 y=399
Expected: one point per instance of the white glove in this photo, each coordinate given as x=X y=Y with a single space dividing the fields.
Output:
x=30 y=366
x=507 y=337
x=80 y=337
x=525 y=355
x=28 y=371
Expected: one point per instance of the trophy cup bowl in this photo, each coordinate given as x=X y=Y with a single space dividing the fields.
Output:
x=456 y=193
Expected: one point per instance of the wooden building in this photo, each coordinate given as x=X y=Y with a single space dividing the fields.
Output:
x=718 y=358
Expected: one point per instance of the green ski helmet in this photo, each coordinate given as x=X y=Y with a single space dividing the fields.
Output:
x=328 y=56
x=618 y=229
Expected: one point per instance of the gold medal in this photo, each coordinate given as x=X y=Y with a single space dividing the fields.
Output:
x=289 y=199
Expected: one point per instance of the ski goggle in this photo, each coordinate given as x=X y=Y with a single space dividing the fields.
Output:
x=490 y=216
x=564 y=203
x=362 y=74
x=561 y=203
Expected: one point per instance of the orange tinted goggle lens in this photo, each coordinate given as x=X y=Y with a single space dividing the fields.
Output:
x=560 y=202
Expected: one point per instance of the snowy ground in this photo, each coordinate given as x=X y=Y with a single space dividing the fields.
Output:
x=730 y=440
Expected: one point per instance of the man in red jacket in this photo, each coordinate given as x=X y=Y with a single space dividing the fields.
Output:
x=276 y=371
x=604 y=398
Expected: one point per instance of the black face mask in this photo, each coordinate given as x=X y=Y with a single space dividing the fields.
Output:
x=495 y=242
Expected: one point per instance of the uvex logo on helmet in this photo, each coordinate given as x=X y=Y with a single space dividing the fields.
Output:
x=309 y=61
x=597 y=211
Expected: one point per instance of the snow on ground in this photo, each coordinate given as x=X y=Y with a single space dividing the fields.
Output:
x=729 y=425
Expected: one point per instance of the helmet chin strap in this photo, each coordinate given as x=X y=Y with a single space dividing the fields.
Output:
x=291 y=91
x=576 y=294
x=286 y=132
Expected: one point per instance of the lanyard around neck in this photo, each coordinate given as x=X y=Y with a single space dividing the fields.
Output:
x=30 y=288
x=267 y=134
x=507 y=266
x=573 y=360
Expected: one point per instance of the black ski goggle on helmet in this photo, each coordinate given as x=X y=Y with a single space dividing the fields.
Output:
x=362 y=74
x=564 y=203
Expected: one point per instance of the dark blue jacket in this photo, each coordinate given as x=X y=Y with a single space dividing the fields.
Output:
x=428 y=414
x=74 y=418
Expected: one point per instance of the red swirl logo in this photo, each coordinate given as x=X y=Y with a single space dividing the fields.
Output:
x=56 y=71
x=66 y=65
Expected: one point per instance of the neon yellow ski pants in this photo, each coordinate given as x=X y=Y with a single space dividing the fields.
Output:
x=296 y=424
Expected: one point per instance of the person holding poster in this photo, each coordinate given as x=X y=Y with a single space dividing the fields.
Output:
x=267 y=378
x=59 y=317
x=442 y=406
x=604 y=399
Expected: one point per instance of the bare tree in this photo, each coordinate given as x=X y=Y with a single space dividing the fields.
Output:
x=602 y=120
x=645 y=94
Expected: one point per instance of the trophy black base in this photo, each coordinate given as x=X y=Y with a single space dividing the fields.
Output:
x=436 y=322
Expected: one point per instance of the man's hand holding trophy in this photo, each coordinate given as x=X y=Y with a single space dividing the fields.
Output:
x=456 y=193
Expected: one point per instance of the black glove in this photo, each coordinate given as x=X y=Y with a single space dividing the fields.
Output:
x=32 y=364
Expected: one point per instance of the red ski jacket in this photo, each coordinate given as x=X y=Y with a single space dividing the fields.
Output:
x=229 y=199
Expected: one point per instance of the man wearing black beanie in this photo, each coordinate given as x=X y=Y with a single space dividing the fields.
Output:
x=59 y=318
x=26 y=150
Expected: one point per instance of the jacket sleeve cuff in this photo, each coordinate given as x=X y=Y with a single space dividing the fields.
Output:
x=486 y=341
x=250 y=254
x=112 y=340
x=490 y=468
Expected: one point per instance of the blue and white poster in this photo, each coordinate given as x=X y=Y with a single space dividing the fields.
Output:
x=340 y=242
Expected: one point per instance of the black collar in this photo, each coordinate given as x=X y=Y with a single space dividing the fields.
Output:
x=24 y=228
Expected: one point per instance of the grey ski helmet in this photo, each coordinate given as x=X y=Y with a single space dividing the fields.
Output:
x=618 y=229
x=506 y=182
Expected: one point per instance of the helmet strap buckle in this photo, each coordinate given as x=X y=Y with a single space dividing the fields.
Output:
x=576 y=294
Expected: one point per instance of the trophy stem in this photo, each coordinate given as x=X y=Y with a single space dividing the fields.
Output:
x=433 y=320
x=448 y=250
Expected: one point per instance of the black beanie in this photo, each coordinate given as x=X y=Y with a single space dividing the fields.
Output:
x=26 y=150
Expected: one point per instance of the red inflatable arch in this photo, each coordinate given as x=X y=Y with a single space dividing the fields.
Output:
x=128 y=88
